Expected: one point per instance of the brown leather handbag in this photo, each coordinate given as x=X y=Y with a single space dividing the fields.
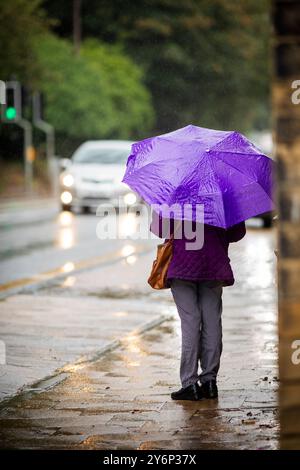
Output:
x=158 y=275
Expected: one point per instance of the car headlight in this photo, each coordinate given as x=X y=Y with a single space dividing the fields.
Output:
x=68 y=180
x=66 y=197
x=130 y=198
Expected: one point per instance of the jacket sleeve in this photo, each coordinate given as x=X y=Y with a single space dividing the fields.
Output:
x=236 y=232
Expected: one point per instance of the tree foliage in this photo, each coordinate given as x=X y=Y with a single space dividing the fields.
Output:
x=206 y=61
x=96 y=94
x=123 y=82
x=21 y=22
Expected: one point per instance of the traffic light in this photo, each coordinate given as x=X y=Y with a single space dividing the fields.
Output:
x=12 y=109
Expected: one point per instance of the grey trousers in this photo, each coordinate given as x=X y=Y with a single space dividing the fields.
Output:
x=200 y=308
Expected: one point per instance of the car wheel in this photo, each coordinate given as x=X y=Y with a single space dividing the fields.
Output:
x=267 y=222
x=85 y=210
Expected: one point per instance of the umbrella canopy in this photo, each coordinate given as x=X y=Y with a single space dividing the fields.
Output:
x=221 y=170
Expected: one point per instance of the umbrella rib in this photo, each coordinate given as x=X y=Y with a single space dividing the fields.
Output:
x=143 y=167
x=209 y=161
x=254 y=181
x=229 y=151
x=129 y=176
x=237 y=169
x=245 y=153
x=232 y=166
x=222 y=140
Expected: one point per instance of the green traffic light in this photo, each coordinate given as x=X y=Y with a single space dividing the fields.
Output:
x=10 y=113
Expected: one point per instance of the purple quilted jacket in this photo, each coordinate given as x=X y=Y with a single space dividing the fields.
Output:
x=211 y=262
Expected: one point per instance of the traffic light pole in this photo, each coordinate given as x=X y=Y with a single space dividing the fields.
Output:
x=11 y=111
x=12 y=114
x=28 y=154
x=48 y=129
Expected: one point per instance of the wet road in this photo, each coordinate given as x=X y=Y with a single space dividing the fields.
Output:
x=58 y=337
x=28 y=249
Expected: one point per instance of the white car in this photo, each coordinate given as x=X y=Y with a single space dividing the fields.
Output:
x=93 y=176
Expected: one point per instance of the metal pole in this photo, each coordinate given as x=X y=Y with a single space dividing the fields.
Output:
x=48 y=129
x=28 y=149
x=28 y=153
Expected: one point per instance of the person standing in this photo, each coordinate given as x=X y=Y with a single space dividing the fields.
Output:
x=196 y=278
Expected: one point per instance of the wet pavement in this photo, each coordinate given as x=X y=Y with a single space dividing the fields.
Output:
x=120 y=398
x=122 y=401
x=71 y=320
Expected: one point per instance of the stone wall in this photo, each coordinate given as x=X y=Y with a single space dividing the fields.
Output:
x=286 y=122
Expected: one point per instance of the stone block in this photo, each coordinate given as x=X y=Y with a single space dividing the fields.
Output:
x=289 y=204
x=289 y=240
x=289 y=319
x=288 y=162
x=288 y=279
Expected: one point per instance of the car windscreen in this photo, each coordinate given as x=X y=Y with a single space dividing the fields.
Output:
x=102 y=155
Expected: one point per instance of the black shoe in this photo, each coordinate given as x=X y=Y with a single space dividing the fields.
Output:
x=209 y=389
x=192 y=392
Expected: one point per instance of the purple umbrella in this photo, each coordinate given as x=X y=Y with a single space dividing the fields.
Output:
x=221 y=170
